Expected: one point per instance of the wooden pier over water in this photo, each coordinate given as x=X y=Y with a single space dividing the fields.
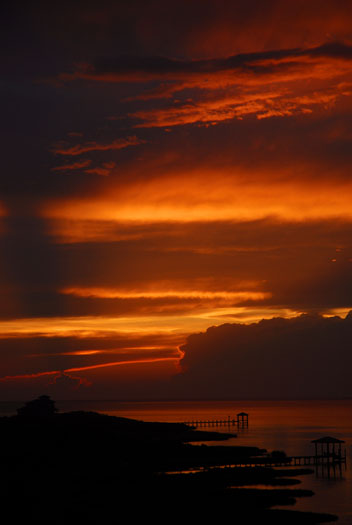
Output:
x=328 y=453
x=290 y=461
x=240 y=421
x=328 y=450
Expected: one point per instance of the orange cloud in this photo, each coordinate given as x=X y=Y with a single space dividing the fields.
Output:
x=79 y=149
x=104 y=170
x=109 y=293
x=232 y=210
x=88 y=326
x=73 y=166
x=212 y=197
x=221 y=98
x=264 y=83
x=79 y=327
x=262 y=105
x=84 y=368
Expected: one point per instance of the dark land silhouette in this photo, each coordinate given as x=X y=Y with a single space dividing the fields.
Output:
x=85 y=467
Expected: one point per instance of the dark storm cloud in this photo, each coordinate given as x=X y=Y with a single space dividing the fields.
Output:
x=131 y=68
x=46 y=39
x=178 y=27
x=321 y=288
x=304 y=357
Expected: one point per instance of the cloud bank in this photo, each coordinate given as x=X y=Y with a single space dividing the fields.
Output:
x=308 y=356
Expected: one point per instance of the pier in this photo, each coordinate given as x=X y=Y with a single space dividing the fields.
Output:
x=318 y=460
x=328 y=453
x=289 y=461
x=240 y=421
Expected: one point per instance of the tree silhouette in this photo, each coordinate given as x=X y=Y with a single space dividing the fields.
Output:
x=43 y=406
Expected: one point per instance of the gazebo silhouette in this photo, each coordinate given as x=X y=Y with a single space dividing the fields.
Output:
x=242 y=419
x=324 y=451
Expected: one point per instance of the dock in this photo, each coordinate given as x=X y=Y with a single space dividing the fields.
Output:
x=328 y=451
x=241 y=420
x=290 y=461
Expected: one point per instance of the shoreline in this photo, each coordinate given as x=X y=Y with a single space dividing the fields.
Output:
x=96 y=457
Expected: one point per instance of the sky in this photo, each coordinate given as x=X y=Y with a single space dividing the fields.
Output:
x=169 y=168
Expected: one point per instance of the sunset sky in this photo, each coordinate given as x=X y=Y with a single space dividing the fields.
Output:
x=168 y=167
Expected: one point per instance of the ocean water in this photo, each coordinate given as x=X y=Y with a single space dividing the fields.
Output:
x=273 y=425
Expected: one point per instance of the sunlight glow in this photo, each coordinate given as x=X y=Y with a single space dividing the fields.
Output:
x=110 y=293
x=198 y=198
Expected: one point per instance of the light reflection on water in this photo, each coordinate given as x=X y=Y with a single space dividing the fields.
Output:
x=277 y=425
x=273 y=425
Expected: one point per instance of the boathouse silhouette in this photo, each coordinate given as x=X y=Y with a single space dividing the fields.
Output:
x=324 y=452
x=242 y=419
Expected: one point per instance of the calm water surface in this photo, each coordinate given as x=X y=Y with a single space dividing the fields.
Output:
x=274 y=425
